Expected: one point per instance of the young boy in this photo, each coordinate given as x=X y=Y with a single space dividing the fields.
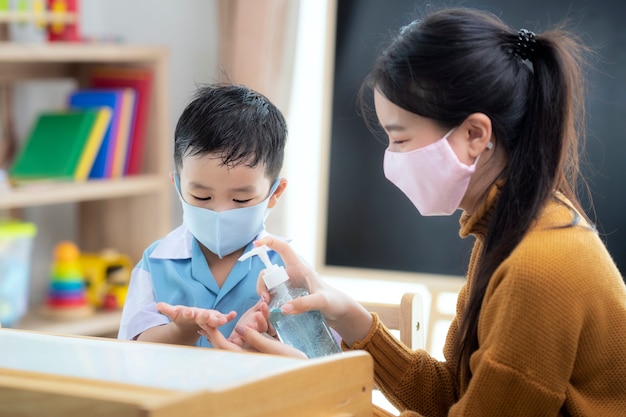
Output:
x=228 y=153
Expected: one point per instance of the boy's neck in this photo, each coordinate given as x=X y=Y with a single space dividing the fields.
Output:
x=220 y=268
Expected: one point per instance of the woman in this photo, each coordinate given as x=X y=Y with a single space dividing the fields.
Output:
x=487 y=119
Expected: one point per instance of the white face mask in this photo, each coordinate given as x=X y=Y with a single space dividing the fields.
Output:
x=225 y=232
x=432 y=177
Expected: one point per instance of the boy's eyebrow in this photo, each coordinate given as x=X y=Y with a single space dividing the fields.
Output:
x=199 y=186
x=246 y=188
x=194 y=184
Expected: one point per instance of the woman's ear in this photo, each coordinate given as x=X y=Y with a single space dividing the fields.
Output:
x=478 y=126
x=277 y=193
x=172 y=173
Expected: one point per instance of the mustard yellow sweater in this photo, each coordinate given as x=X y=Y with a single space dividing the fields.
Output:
x=552 y=333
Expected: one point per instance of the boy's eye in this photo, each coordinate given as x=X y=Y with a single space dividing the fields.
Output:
x=242 y=201
x=201 y=198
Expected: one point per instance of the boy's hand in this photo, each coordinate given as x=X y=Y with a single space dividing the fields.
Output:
x=191 y=319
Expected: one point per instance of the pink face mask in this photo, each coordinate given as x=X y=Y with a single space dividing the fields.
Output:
x=432 y=177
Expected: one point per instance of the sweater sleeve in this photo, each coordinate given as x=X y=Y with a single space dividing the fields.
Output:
x=411 y=380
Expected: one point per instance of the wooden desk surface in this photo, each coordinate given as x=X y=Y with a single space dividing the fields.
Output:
x=61 y=375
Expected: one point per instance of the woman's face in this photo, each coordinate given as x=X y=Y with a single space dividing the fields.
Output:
x=406 y=131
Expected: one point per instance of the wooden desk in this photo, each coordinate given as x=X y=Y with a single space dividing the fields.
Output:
x=61 y=375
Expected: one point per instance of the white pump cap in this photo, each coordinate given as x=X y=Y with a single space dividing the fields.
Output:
x=274 y=274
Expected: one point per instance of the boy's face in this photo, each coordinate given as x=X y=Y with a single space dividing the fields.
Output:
x=205 y=182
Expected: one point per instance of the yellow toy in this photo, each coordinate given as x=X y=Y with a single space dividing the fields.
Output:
x=107 y=275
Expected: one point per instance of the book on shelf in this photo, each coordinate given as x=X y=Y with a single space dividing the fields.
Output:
x=127 y=115
x=139 y=79
x=61 y=145
x=120 y=102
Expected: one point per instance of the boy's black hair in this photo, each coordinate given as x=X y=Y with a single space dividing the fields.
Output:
x=236 y=122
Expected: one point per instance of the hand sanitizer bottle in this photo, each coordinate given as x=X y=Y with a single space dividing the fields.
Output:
x=307 y=332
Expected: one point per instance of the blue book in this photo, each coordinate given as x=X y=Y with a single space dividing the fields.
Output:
x=87 y=99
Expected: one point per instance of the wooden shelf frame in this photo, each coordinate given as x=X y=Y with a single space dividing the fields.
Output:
x=14 y=16
x=126 y=214
x=101 y=323
x=45 y=193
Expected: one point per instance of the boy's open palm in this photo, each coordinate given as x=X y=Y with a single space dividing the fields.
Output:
x=193 y=318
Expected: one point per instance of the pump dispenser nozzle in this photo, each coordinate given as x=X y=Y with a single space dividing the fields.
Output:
x=274 y=274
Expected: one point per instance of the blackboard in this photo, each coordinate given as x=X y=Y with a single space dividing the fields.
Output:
x=371 y=224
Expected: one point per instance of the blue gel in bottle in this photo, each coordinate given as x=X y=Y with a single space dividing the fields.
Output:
x=307 y=332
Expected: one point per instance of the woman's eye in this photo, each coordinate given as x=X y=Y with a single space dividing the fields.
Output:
x=201 y=198
x=398 y=141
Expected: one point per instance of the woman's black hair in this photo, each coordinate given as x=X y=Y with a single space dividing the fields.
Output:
x=456 y=62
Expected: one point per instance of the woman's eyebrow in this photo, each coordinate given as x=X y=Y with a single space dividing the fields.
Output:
x=394 y=128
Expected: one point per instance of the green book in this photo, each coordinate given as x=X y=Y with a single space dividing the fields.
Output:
x=55 y=146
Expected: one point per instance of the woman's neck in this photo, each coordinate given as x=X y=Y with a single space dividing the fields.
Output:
x=490 y=166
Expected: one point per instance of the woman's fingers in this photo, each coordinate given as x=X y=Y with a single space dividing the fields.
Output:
x=267 y=344
x=304 y=304
x=218 y=340
x=290 y=257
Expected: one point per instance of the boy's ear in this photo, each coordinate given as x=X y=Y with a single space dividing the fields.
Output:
x=172 y=177
x=277 y=193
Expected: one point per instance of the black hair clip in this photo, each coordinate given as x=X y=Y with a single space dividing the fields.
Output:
x=525 y=45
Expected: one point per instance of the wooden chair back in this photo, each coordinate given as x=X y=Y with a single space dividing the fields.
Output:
x=407 y=317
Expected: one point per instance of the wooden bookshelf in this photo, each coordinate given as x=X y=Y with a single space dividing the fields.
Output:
x=99 y=324
x=128 y=213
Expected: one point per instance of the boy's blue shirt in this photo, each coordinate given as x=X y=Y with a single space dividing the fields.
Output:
x=179 y=275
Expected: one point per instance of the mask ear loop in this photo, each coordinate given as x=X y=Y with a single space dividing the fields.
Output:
x=272 y=190
x=489 y=147
x=177 y=184
x=274 y=187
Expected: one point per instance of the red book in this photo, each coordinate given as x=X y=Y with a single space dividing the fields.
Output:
x=140 y=79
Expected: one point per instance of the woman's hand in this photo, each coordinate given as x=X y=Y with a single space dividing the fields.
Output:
x=344 y=314
x=257 y=318
x=251 y=334
x=253 y=341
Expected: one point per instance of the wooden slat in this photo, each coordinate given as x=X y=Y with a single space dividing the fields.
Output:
x=407 y=317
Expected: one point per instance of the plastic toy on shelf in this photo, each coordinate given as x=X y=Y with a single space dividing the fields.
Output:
x=58 y=18
x=107 y=275
x=16 y=242
x=67 y=295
